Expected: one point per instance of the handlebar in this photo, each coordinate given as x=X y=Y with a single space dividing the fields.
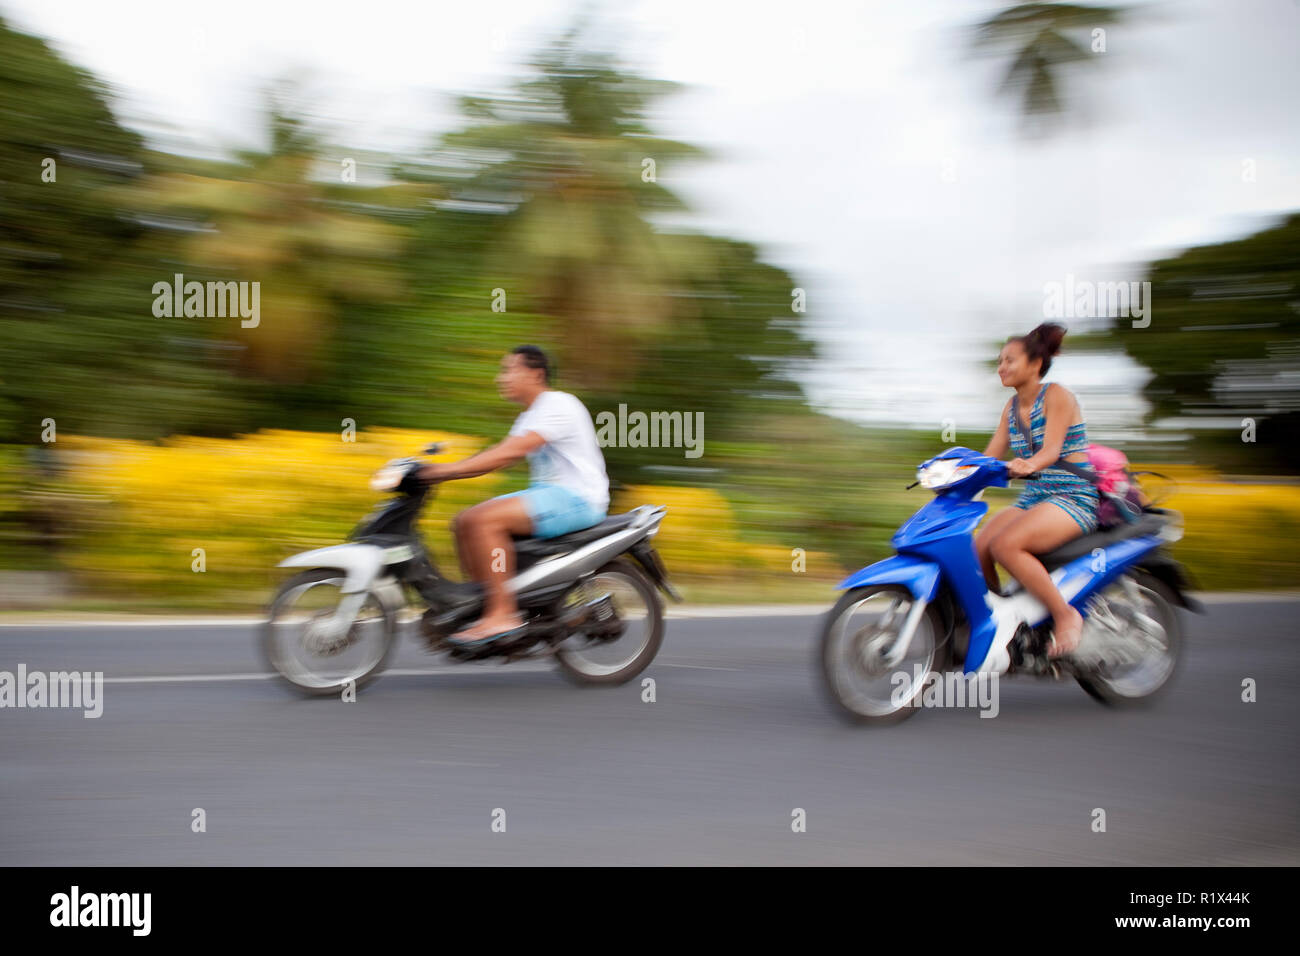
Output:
x=401 y=475
x=412 y=479
x=1032 y=476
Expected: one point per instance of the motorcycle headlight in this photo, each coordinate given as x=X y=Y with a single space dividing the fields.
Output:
x=942 y=473
x=388 y=478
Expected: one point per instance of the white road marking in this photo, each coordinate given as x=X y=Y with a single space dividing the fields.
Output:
x=392 y=672
x=268 y=675
x=142 y=621
x=739 y=611
x=185 y=678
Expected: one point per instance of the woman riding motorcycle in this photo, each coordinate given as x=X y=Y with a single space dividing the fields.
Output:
x=1060 y=505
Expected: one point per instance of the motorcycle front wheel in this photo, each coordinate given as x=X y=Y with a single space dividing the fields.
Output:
x=855 y=636
x=297 y=643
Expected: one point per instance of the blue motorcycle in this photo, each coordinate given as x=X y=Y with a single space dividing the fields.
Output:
x=906 y=622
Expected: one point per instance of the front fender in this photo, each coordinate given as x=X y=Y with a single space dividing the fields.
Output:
x=919 y=576
x=360 y=563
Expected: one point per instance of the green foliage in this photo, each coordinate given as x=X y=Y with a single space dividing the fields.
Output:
x=377 y=300
x=554 y=172
x=1222 y=341
x=380 y=305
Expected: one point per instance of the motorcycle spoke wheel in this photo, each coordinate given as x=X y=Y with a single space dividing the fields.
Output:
x=299 y=644
x=861 y=629
x=623 y=631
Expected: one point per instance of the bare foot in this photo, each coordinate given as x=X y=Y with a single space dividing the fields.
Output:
x=1066 y=634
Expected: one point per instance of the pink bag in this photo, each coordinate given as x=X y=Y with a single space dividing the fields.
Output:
x=1111 y=467
x=1122 y=500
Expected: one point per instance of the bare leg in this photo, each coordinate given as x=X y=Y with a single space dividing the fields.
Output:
x=458 y=532
x=488 y=556
x=1000 y=522
x=1044 y=528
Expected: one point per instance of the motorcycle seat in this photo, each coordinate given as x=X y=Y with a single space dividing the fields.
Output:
x=1148 y=523
x=540 y=547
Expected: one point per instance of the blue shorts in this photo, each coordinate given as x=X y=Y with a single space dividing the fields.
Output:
x=556 y=510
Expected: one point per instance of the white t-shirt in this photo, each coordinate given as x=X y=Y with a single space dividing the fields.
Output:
x=571 y=456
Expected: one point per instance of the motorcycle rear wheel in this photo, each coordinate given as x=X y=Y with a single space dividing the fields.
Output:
x=1141 y=683
x=622 y=588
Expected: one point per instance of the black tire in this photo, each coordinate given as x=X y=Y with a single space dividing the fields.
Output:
x=830 y=663
x=1166 y=603
x=574 y=667
x=269 y=649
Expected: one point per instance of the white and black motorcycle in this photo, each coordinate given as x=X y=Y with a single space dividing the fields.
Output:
x=588 y=598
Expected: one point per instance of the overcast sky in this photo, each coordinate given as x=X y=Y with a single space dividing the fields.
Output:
x=854 y=142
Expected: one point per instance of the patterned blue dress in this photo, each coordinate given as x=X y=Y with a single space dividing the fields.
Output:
x=1076 y=496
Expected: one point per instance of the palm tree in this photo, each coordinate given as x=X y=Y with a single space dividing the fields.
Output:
x=1040 y=36
x=563 y=155
x=270 y=221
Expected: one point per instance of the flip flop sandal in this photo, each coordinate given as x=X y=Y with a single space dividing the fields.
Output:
x=482 y=641
x=1054 y=646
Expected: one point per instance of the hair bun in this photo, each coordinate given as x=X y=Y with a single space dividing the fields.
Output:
x=1042 y=343
x=1047 y=339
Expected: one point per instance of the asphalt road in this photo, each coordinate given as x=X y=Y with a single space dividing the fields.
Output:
x=710 y=773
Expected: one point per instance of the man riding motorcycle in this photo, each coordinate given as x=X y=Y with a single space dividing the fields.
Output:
x=568 y=490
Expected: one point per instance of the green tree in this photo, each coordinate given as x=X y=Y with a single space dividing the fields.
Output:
x=557 y=186
x=564 y=152
x=1224 y=341
x=66 y=246
x=267 y=220
x=1040 y=40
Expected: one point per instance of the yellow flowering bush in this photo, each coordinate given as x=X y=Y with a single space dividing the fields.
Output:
x=246 y=502
x=699 y=533
x=143 y=510
x=136 y=514
x=1238 y=535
